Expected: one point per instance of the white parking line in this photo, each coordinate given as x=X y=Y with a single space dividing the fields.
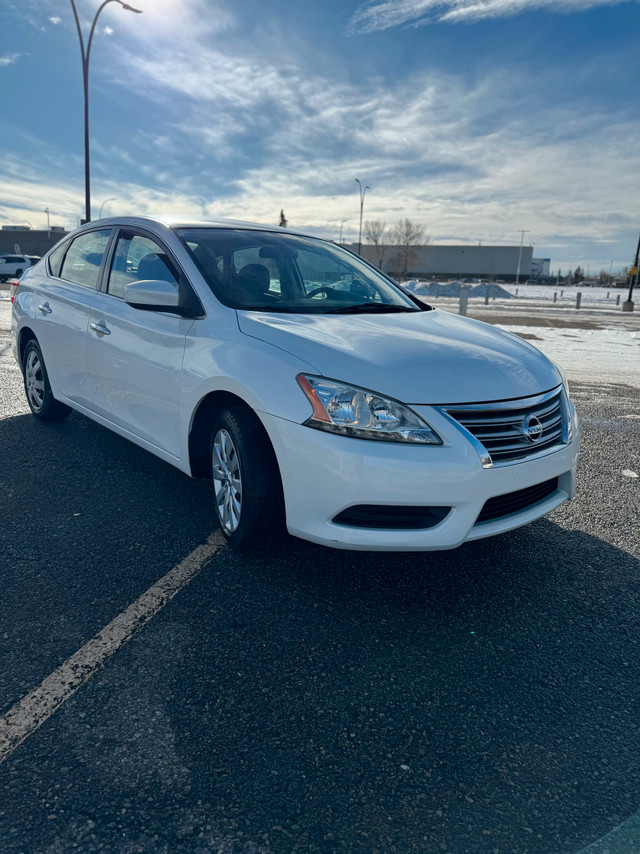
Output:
x=32 y=711
x=623 y=839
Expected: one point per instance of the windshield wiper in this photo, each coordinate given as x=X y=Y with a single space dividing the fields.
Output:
x=374 y=307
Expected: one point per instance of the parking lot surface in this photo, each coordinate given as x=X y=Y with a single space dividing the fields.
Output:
x=480 y=701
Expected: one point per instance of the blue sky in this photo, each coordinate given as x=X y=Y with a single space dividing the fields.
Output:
x=475 y=118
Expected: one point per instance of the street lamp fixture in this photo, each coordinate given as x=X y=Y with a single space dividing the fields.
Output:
x=86 y=55
x=112 y=199
x=362 y=195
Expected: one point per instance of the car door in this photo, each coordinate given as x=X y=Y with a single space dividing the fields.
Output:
x=134 y=356
x=62 y=305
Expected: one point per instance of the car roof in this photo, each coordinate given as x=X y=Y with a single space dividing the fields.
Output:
x=175 y=222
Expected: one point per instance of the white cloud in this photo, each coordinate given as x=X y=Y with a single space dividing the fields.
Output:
x=393 y=13
x=108 y=31
x=55 y=20
x=8 y=59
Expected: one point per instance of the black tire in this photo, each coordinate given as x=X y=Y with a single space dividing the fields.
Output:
x=258 y=516
x=37 y=387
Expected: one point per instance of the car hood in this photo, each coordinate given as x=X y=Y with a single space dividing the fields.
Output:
x=420 y=358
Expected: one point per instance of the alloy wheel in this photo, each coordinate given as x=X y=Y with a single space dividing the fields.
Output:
x=227 y=481
x=34 y=381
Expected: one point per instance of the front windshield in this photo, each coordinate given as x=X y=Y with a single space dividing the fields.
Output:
x=267 y=271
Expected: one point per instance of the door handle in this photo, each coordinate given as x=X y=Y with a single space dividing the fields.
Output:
x=100 y=329
x=44 y=308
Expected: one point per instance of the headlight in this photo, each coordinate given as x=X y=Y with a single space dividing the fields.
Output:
x=352 y=411
x=565 y=381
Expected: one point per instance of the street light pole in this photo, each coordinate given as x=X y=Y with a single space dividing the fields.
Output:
x=86 y=55
x=523 y=232
x=362 y=195
x=112 y=199
x=341 y=224
x=46 y=210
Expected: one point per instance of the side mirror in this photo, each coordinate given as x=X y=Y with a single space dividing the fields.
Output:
x=153 y=295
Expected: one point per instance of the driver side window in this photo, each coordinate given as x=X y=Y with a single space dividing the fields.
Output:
x=137 y=258
x=248 y=259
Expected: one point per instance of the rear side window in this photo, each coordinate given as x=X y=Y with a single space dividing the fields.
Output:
x=82 y=262
x=55 y=259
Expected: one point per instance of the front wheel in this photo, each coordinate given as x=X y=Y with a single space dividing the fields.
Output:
x=37 y=387
x=246 y=480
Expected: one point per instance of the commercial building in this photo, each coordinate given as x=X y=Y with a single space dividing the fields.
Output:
x=440 y=261
x=18 y=240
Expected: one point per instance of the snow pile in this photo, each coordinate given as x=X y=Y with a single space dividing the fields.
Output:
x=495 y=292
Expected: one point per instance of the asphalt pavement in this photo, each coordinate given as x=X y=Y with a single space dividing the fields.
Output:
x=301 y=699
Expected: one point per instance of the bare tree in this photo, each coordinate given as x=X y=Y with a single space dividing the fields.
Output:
x=407 y=235
x=375 y=231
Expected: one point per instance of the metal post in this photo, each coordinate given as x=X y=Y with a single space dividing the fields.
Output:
x=633 y=280
x=555 y=296
x=486 y=294
x=464 y=300
x=578 y=299
x=618 y=300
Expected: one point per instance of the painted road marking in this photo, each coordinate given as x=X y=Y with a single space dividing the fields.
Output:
x=623 y=839
x=35 y=708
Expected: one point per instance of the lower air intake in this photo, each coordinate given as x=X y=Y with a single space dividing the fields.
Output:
x=387 y=517
x=514 y=502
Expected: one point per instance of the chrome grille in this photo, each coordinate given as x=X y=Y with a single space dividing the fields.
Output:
x=515 y=430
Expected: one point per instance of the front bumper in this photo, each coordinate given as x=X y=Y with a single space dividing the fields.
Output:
x=323 y=474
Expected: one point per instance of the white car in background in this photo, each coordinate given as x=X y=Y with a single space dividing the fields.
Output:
x=13 y=266
x=312 y=390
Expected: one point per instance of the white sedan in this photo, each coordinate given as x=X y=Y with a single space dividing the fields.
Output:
x=312 y=390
